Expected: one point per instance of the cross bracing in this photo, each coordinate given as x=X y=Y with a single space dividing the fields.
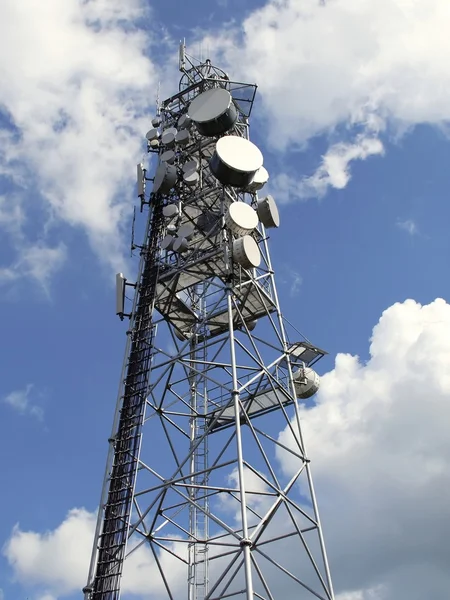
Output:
x=202 y=497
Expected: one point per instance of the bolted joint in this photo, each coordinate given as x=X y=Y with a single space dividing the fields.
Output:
x=246 y=542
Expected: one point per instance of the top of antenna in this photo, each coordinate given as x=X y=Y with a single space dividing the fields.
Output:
x=182 y=56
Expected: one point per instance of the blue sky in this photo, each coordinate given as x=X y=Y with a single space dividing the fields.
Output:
x=361 y=234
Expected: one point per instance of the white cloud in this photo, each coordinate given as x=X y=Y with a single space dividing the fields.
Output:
x=41 y=261
x=353 y=69
x=408 y=225
x=256 y=499
x=19 y=400
x=334 y=170
x=2 y=595
x=75 y=86
x=11 y=214
x=380 y=450
x=58 y=560
x=376 y=593
x=36 y=261
x=296 y=282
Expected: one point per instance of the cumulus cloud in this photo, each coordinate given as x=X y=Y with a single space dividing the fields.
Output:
x=380 y=450
x=57 y=561
x=355 y=70
x=333 y=172
x=38 y=262
x=75 y=89
x=19 y=400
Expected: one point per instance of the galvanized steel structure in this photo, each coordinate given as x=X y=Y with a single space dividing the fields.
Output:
x=200 y=488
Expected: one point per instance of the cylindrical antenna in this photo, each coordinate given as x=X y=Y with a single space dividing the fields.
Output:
x=182 y=56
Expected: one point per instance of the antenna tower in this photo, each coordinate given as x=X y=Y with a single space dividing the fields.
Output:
x=202 y=498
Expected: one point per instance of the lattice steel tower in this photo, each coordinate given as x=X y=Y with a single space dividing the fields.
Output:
x=202 y=498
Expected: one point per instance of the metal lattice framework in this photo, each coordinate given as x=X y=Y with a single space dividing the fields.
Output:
x=202 y=497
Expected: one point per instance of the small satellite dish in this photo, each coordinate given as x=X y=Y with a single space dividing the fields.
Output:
x=246 y=252
x=165 y=178
x=182 y=138
x=168 y=139
x=180 y=245
x=268 y=212
x=213 y=112
x=190 y=165
x=154 y=144
x=184 y=122
x=186 y=231
x=156 y=122
x=170 y=211
x=153 y=134
x=241 y=218
x=235 y=161
x=167 y=243
x=259 y=180
x=168 y=156
x=191 y=178
x=306 y=382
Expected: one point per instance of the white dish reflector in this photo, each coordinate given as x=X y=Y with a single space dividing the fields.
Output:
x=241 y=218
x=246 y=252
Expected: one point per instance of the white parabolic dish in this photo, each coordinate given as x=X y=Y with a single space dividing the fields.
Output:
x=241 y=218
x=268 y=212
x=190 y=165
x=168 y=138
x=209 y=105
x=239 y=154
x=180 y=245
x=186 y=231
x=246 y=252
x=182 y=137
x=259 y=180
x=170 y=210
x=191 y=178
x=167 y=242
x=310 y=386
x=153 y=134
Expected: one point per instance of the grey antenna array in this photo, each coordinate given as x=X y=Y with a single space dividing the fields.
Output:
x=202 y=498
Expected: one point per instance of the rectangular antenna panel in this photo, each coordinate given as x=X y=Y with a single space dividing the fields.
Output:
x=182 y=56
x=140 y=181
x=120 y=294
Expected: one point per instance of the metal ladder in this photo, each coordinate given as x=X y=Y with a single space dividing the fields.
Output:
x=127 y=440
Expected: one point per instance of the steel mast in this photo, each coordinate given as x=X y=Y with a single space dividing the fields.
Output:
x=202 y=498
